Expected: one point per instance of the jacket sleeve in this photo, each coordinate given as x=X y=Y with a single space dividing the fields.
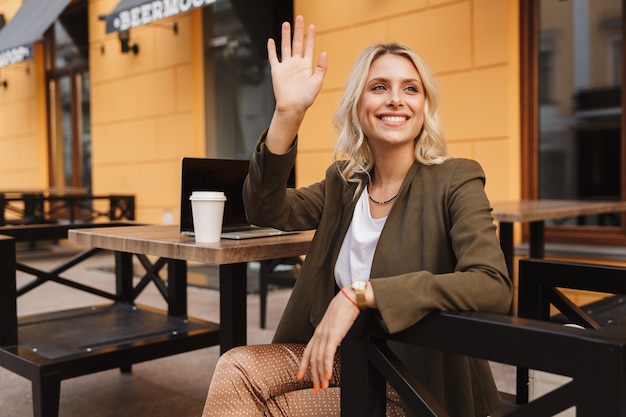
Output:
x=463 y=265
x=268 y=201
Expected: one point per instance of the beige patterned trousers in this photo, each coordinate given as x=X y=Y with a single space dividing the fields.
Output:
x=260 y=380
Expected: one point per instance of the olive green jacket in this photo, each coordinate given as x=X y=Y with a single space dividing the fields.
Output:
x=438 y=250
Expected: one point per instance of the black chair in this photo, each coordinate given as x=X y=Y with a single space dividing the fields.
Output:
x=593 y=357
x=281 y=272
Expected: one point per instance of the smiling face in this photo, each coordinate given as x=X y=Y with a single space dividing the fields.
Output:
x=391 y=106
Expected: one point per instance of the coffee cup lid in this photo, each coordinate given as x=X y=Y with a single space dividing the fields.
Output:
x=208 y=195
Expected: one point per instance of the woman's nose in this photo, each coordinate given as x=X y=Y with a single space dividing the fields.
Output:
x=394 y=100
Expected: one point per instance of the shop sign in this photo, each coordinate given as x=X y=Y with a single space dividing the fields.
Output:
x=150 y=11
x=13 y=55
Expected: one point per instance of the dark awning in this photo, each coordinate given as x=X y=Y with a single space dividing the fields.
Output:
x=27 y=27
x=132 y=13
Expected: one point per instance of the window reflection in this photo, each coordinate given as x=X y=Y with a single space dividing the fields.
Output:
x=579 y=90
x=240 y=99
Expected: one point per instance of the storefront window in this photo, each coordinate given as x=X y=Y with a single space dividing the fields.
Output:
x=579 y=82
x=69 y=94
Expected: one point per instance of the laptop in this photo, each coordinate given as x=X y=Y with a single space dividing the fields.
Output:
x=227 y=175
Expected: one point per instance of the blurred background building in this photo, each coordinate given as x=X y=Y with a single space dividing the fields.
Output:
x=108 y=95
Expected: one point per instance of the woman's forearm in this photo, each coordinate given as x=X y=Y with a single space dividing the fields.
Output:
x=283 y=130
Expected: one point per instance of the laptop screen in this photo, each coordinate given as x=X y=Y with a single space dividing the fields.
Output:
x=216 y=174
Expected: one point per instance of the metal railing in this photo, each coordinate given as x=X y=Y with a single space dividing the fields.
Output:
x=41 y=208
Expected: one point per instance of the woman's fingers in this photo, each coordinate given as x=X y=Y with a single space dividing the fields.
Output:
x=285 y=42
x=309 y=47
x=272 y=57
x=320 y=67
x=324 y=358
x=296 y=83
x=317 y=365
x=298 y=37
x=319 y=354
x=298 y=46
x=328 y=363
x=304 y=363
x=315 y=357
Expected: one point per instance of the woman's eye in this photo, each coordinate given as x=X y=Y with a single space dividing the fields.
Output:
x=412 y=89
x=379 y=87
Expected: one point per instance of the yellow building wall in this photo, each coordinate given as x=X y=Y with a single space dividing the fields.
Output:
x=472 y=46
x=23 y=134
x=147 y=109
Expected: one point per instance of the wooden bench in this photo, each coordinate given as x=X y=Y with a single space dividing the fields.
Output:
x=595 y=359
x=115 y=334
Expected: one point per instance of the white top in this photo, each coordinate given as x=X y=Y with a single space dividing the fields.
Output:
x=357 y=251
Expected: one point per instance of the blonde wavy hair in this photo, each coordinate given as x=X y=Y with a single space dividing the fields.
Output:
x=352 y=146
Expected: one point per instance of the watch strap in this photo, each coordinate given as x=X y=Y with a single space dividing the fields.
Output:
x=359 y=290
x=360 y=299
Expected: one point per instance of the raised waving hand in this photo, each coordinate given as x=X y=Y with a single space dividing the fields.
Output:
x=296 y=82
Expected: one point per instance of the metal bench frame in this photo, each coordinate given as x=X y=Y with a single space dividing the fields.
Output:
x=117 y=330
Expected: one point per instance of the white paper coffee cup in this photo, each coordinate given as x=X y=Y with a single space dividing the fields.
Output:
x=207 y=208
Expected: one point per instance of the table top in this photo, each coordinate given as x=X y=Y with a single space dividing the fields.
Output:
x=167 y=242
x=538 y=210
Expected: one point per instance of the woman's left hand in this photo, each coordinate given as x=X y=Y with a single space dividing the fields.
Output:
x=320 y=351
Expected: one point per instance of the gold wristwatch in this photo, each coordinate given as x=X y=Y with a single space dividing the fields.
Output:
x=359 y=289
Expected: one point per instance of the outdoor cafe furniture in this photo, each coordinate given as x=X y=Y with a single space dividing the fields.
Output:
x=51 y=347
x=536 y=212
x=594 y=357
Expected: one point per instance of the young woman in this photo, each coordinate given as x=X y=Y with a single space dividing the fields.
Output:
x=401 y=227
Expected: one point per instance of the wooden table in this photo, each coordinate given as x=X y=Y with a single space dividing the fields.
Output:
x=536 y=212
x=232 y=257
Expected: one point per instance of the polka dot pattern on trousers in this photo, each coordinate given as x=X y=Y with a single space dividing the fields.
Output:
x=260 y=380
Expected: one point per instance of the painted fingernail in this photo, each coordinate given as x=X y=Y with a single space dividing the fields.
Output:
x=327 y=377
x=324 y=386
x=315 y=389
x=299 y=376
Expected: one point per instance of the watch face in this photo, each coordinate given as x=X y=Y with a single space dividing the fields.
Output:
x=359 y=285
